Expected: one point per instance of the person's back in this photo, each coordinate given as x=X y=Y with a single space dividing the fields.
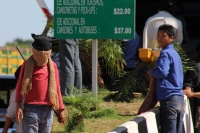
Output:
x=165 y=11
x=130 y=49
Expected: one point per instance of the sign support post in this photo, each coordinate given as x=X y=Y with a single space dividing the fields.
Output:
x=94 y=66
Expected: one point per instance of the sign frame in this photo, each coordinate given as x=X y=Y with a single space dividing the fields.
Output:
x=105 y=19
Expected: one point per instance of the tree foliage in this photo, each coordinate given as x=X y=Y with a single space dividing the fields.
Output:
x=80 y=107
x=18 y=42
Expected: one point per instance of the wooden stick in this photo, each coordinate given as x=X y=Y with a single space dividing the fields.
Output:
x=20 y=53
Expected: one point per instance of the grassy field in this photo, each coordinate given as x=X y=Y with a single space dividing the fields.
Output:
x=125 y=111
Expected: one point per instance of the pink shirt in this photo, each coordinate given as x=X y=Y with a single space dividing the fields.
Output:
x=39 y=92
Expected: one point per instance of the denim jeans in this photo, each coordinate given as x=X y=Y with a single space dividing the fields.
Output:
x=37 y=118
x=70 y=66
x=172 y=111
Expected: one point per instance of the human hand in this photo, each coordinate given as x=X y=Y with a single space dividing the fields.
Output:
x=19 y=115
x=148 y=74
x=187 y=89
x=62 y=119
x=188 y=92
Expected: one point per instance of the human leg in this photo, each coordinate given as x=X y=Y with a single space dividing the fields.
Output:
x=78 y=69
x=30 y=120
x=180 y=119
x=172 y=114
x=46 y=120
x=37 y=119
x=66 y=57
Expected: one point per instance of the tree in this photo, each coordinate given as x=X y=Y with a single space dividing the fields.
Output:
x=20 y=43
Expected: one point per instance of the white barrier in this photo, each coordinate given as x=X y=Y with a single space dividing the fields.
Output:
x=187 y=119
x=149 y=122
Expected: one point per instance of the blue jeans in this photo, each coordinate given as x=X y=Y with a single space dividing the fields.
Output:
x=70 y=66
x=37 y=118
x=172 y=111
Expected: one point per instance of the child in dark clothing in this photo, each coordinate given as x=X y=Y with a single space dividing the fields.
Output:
x=192 y=90
x=168 y=73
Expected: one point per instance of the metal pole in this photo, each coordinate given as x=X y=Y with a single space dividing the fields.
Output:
x=94 y=66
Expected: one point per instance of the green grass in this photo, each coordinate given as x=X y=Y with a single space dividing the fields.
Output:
x=123 y=112
x=97 y=125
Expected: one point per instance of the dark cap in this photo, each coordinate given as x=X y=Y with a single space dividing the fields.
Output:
x=166 y=5
x=42 y=43
x=165 y=2
x=175 y=7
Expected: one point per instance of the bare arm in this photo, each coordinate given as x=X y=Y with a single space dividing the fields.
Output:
x=190 y=94
x=7 y=124
x=19 y=113
x=195 y=94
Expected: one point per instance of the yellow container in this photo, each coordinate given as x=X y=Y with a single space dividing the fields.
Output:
x=156 y=54
x=145 y=54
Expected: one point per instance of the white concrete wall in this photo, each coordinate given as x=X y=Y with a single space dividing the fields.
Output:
x=148 y=122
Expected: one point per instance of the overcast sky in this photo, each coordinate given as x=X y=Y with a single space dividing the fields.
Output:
x=20 y=18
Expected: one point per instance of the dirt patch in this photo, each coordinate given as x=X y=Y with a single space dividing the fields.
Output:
x=125 y=109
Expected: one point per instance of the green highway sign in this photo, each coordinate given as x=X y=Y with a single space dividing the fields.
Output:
x=94 y=19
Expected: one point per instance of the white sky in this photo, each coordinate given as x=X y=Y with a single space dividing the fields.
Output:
x=20 y=18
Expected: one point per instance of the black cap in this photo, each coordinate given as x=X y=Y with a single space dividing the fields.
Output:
x=42 y=43
x=165 y=2
x=175 y=7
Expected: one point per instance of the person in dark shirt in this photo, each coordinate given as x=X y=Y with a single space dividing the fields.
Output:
x=192 y=90
x=130 y=50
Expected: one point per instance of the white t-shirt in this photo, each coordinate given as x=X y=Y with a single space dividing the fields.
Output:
x=11 y=111
x=153 y=29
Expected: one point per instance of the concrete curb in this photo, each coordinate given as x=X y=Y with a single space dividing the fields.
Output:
x=149 y=122
x=139 y=124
